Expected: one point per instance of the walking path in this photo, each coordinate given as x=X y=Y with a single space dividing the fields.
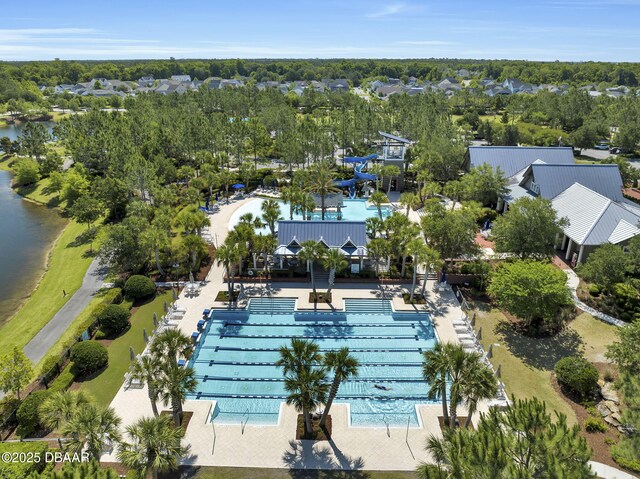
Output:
x=51 y=332
x=608 y=472
x=572 y=282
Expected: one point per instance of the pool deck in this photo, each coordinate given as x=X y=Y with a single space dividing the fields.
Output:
x=352 y=448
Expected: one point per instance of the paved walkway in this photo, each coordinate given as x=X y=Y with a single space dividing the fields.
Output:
x=49 y=334
x=608 y=472
x=275 y=446
x=572 y=282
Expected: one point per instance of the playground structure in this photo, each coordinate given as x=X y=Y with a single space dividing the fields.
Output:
x=360 y=164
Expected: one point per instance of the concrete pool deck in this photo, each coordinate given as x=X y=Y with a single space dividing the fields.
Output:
x=352 y=448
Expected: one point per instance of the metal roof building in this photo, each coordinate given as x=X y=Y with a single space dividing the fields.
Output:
x=593 y=219
x=513 y=159
x=350 y=237
x=548 y=181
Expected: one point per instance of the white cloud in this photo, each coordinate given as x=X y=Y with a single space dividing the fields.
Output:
x=388 y=10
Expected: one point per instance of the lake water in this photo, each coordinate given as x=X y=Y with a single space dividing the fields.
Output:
x=26 y=235
x=13 y=131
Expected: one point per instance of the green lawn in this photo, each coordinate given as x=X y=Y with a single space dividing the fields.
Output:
x=105 y=386
x=527 y=363
x=256 y=473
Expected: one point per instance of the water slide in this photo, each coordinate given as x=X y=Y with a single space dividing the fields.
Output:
x=360 y=164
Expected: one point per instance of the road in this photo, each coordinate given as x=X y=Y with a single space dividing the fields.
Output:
x=38 y=347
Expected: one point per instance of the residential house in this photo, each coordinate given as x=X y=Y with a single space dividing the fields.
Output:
x=181 y=78
x=146 y=81
x=515 y=159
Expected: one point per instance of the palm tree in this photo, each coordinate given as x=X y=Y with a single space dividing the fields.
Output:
x=409 y=200
x=306 y=204
x=406 y=234
x=311 y=252
x=147 y=370
x=91 y=428
x=303 y=353
x=390 y=171
x=174 y=384
x=378 y=198
x=373 y=225
x=343 y=366
x=460 y=364
x=271 y=214
x=434 y=371
x=378 y=249
x=454 y=190
x=479 y=383
x=60 y=407
x=153 y=446
x=292 y=196
x=228 y=255
x=335 y=262
x=418 y=249
x=263 y=246
x=431 y=260
x=307 y=390
x=156 y=238
x=225 y=178
x=323 y=183
x=171 y=344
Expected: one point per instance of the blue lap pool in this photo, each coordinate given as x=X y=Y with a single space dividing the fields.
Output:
x=234 y=360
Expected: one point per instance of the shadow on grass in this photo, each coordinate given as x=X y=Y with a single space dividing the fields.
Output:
x=86 y=237
x=540 y=353
x=322 y=462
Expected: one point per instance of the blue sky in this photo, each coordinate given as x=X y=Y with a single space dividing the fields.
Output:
x=533 y=30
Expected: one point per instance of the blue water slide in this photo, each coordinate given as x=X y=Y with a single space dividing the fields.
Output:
x=360 y=164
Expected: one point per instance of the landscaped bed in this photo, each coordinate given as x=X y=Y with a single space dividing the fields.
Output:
x=320 y=433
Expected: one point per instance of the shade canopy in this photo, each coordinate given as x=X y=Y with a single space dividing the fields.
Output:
x=237 y=186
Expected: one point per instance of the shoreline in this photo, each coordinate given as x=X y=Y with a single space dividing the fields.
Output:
x=46 y=261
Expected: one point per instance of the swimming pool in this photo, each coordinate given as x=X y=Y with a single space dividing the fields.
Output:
x=352 y=210
x=234 y=360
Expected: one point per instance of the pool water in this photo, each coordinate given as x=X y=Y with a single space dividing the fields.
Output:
x=234 y=360
x=352 y=210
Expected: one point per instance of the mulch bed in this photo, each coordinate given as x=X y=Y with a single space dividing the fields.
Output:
x=186 y=417
x=223 y=296
x=417 y=299
x=318 y=434
x=461 y=421
x=320 y=298
x=595 y=440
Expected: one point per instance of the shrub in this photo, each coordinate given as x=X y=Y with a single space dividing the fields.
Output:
x=27 y=171
x=594 y=290
x=89 y=357
x=577 y=374
x=592 y=411
x=631 y=464
x=139 y=287
x=594 y=424
x=114 y=319
x=28 y=414
x=22 y=469
x=64 y=380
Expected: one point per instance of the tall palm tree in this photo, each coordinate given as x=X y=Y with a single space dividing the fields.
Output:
x=343 y=366
x=460 y=364
x=479 y=383
x=305 y=204
x=91 y=429
x=263 y=246
x=147 y=370
x=303 y=353
x=409 y=200
x=418 y=249
x=434 y=371
x=228 y=255
x=405 y=235
x=174 y=384
x=378 y=248
x=322 y=182
x=171 y=344
x=307 y=390
x=155 y=239
x=431 y=260
x=291 y=195
x=152 y=445
x=311 y=252
x=60 y=407
x=225 y=178
x=335 y=262
x=271 y=214
x=390 y=171
x=378 y=198
x=374 y=225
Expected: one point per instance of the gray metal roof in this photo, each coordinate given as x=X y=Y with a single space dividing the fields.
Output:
x=334 y=234
x=394 y=137
x=512 y=159
x=593 y=218
x=554 y=179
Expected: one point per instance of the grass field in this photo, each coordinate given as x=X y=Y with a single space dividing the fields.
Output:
x=527 y=363
x=105 y=386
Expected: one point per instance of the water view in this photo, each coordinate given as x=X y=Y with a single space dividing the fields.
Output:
x=14 y=131
x=25 y=238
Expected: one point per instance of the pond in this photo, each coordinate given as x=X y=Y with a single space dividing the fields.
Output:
x=14 y=131
x=28 y=232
